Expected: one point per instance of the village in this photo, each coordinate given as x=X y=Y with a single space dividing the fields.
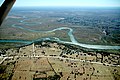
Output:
x=54 y=61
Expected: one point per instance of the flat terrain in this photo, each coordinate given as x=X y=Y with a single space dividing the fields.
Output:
x=89 y=25
x=50 y=60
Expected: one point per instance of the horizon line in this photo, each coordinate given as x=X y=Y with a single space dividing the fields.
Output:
x=70 y=6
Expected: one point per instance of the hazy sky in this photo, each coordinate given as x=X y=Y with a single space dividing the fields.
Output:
x=100 y=3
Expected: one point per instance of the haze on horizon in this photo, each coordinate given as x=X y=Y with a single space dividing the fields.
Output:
x=81 y=3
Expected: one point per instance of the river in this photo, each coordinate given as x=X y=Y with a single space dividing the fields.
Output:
x=70 y=34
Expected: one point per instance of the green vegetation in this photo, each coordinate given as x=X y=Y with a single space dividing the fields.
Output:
x=55 y=77
x=10 y=45
x=6 y=71
x=115 y=72
x=2 y=68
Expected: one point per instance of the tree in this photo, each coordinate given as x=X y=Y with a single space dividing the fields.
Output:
x=61 y=74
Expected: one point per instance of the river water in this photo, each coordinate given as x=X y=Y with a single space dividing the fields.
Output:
x=70 y=34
